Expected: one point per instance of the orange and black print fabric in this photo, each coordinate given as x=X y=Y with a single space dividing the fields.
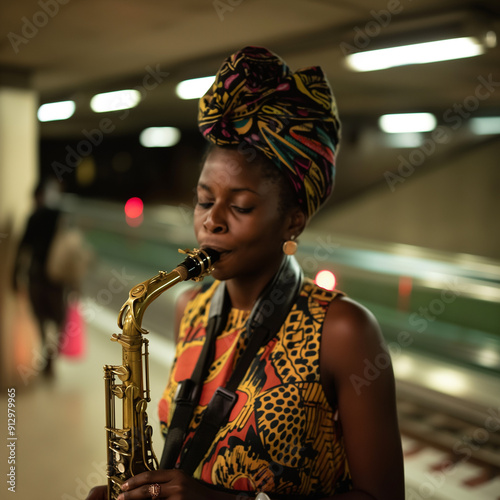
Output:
x=282 y=435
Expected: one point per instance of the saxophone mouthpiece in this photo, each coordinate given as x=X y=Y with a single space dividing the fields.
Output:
x=212 y=254
x=198 y=264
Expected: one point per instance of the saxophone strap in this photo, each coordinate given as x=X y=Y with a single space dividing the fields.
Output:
x=188 y=391
x=266 y=318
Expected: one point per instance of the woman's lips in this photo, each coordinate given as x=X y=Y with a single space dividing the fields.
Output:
x=222 y=251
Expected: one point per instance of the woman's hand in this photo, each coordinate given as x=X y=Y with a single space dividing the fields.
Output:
x=174 y=485
x=98 y=493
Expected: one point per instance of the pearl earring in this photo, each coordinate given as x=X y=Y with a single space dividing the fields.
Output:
x=290 y=246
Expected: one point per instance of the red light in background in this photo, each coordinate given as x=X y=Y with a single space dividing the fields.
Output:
x=133 y=208
x=134 y=222
x=404 y=292
x=325 y=279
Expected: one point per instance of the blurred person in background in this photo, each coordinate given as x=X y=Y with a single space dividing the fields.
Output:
x=299 y=426
x=34 y=270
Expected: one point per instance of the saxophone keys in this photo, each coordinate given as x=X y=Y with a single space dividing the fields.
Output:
x=118 y=391
x=123 y=444
x=122 y=372
x=141 y=406
x=118 y=464
x=138 y=290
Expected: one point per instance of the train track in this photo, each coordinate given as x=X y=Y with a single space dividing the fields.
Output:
x=451 y=447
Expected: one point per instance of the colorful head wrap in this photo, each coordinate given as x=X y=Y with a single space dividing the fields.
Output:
x=291 y=117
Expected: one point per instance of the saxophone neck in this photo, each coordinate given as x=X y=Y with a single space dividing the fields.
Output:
x=141 y=296
x=195 y=266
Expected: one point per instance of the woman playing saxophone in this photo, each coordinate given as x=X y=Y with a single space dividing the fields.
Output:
x=297 y=426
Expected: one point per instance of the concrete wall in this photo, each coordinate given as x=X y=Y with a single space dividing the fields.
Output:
x=454 y=207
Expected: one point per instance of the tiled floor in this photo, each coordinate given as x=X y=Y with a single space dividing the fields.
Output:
x=60 y=451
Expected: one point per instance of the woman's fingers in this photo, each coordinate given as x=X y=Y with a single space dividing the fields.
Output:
x=98 y=493
x=144 y=485
x=147 y=478
x=143 y=491
x=171 y=484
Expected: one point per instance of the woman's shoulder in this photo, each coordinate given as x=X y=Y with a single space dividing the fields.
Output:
x=347 y=326
x=351 y=335
x=342 y=318
x=343 y=314
x=348 y=315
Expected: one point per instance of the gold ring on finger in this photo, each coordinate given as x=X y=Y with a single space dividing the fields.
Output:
x=154 y=491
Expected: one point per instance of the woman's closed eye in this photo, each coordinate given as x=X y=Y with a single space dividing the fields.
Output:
x=242 y=210
x=204 y=204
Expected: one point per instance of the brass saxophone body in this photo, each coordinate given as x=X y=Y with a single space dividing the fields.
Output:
x=129 y=447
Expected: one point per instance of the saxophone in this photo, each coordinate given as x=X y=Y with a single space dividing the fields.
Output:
x=129 y=448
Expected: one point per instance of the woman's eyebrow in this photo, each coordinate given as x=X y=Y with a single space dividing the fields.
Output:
x=233 y=190
x=237 y=190
x=204 y=187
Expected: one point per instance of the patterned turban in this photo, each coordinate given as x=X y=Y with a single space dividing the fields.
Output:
x=290 y=117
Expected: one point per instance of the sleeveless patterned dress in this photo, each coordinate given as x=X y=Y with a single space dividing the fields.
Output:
x=282 y=436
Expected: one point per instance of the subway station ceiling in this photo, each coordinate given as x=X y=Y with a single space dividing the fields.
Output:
x=73 y=49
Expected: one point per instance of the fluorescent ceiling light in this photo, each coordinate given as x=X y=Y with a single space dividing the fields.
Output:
x=487 y=125
x=52 y=111
x=194 y=88
x=419 y=53
x=160 y=137
x=114 y=101
x=407 y=122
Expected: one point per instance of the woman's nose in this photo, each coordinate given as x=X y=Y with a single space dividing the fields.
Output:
x=215 y=221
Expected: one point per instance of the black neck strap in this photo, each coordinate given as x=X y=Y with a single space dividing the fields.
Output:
x=265 y=320
x=189 y=390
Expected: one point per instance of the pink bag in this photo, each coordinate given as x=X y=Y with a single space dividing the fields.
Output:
x=72 y=343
